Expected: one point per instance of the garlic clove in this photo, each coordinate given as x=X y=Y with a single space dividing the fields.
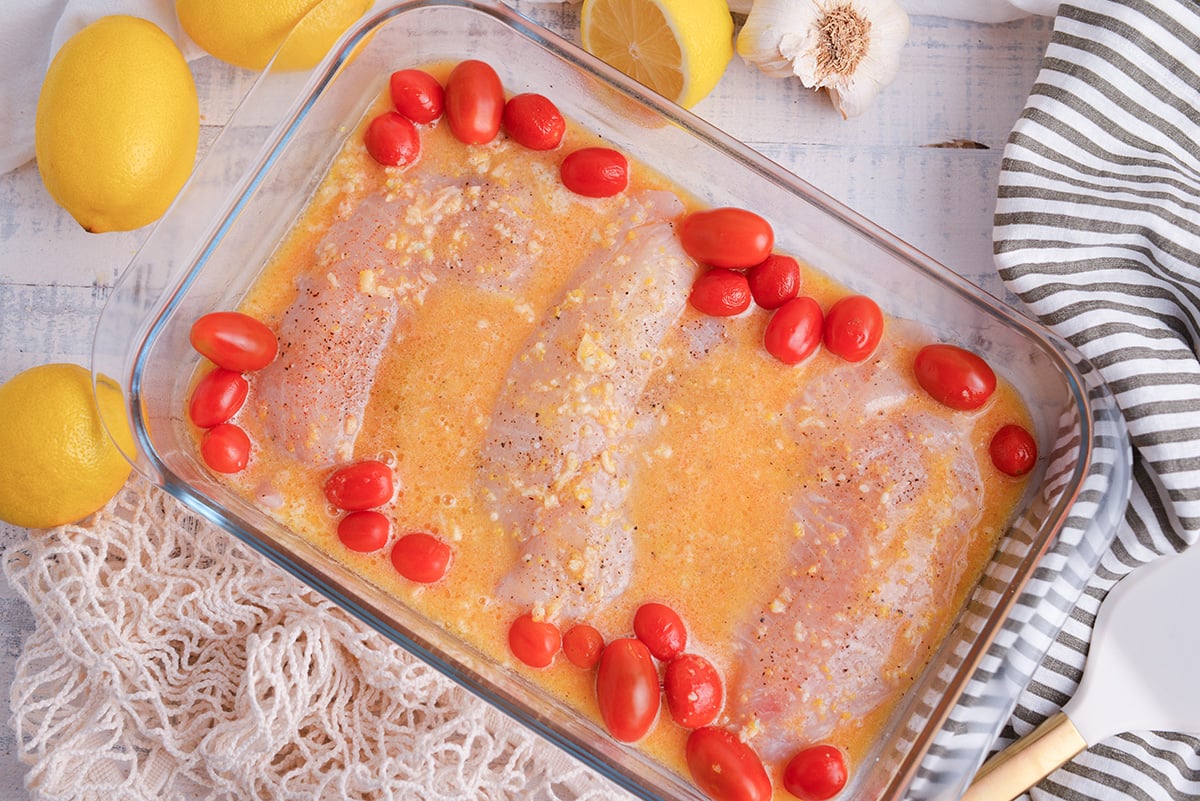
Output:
x=850 y=48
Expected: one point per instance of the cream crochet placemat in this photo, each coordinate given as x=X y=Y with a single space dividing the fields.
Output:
x=171 y=662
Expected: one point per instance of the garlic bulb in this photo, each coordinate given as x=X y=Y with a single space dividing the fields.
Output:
x=850 y=48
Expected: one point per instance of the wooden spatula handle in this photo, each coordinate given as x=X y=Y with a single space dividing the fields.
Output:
x=1027 y=761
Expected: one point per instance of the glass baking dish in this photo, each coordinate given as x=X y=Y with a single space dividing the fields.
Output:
x=248 y=191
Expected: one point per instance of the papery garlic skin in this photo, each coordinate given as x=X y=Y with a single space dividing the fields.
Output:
x=850 y=48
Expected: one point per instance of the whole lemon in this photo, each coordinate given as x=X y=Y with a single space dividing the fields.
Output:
x=117 y=124
x=57 y=463
x=248 y=34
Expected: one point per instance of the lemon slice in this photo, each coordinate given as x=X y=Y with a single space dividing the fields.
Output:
x=678 y=48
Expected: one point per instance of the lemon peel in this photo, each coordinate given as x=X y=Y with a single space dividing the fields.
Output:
x=247 y=35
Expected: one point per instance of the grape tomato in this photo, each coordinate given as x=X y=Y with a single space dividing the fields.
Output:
x=362 y=485
x=1013 y=450
x=217 y=397
x=364 y=531
x=534 y=642
x=225 y=448
x=693 y=689
x=816 y=773
x=774 y=281
x=234 y=341
x=720 y=292
x=392 y=140
x=661 y=629
x=954 y=377
x=794 y=330
x=595 y=172
x=627 y=689
x=474 y=102
x=726 y=237
x=853 y=327
x=582 y=645
x=726 y=768
x=417 y=95
x=421 y=557
x=534 y=121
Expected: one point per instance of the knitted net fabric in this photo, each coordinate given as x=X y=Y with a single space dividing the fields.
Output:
x=169 y=661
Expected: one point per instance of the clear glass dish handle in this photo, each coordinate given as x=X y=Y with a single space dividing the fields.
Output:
x=193 y=221
x=1058 y=580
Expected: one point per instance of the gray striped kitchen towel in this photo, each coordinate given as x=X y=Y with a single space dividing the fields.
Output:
x=1097 y=232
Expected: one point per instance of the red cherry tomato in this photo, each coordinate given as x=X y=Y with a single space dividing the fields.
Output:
x=392 y=139
x=815 y=774
x=362 y=485
x=955 y=377
x=474 y=102
x=1013 y=450
x=726 y=237
x=693 y=689
x=726 y=768
x=217 y=397
x=417 y=95
x=595 y=172
x=627 y=689
x=234 y=341
x=720 y=292
x=853 y=327
x=661 y=628
x=582 y=645
x=421 y=557
x=534 y=121
x=774 y=280
x=794 y=330
x=364 y=531
x=534 y=642
x=225 y=448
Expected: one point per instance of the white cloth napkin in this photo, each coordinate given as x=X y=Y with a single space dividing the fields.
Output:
x=24 y=42
x=1097 y=231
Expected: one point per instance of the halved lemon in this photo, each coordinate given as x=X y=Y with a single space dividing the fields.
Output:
x=678 y=48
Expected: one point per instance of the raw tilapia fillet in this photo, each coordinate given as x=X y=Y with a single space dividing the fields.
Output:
x=553 y=467
x=881 y=524
x=370 y=274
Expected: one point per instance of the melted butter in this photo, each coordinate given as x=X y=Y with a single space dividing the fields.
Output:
x=713 y=481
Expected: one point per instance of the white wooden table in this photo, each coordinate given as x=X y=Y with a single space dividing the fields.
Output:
x=959 y=84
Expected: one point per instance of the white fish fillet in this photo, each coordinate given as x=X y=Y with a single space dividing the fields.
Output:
x=553 y=467
x=882 y=519
x=372 y=270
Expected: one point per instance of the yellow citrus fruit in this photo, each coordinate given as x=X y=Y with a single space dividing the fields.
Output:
x=247 y=34
x=58 y=464
x=678 y=48
x=117 y=124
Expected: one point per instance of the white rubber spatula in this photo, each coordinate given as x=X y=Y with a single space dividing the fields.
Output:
x=1140 y=676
